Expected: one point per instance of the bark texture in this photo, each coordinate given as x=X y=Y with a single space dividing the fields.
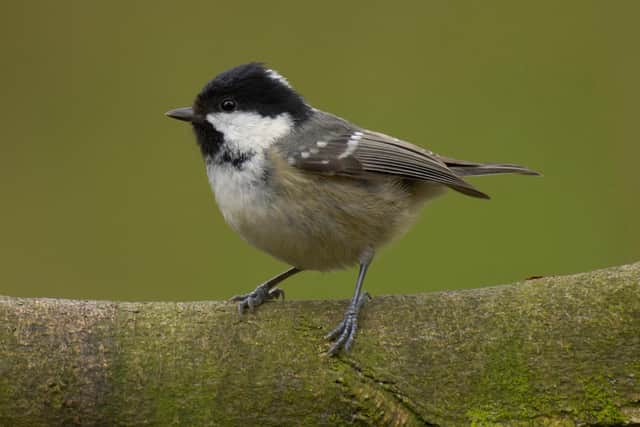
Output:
x=553 y=351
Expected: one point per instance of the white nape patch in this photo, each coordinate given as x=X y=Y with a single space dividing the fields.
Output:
x=278 y=77
x=321 y=144
x=314 y=150
x=305 y=154
x=352 y=144
x=246 y=132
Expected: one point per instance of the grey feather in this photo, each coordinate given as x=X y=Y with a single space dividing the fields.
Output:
x=330 y=145
x=467 y=168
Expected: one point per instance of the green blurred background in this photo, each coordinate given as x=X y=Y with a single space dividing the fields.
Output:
x=104 y=197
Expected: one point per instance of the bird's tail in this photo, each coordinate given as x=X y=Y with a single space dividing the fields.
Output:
x=491 y=169
x=465 y=168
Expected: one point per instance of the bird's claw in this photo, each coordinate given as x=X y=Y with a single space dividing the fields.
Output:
x=344 y=334
x=253 y=299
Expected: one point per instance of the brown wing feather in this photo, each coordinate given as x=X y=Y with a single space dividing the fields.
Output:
x=360 y=151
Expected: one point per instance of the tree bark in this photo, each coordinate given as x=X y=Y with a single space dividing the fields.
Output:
x=556 y=351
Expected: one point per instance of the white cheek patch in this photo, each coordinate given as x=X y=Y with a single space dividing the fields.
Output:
x=250 y=132
x=278 y=77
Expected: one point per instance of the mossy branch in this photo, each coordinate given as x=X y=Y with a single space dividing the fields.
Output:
x=560 y=350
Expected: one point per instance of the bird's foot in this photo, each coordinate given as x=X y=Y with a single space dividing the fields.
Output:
x=253 y=299
x=344 y=334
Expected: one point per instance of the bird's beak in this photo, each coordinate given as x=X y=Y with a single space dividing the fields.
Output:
x=185 y=114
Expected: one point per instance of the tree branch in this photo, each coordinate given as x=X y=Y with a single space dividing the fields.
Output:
x=555 y=350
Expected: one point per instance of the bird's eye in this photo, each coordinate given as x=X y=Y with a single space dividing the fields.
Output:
x=228 y=105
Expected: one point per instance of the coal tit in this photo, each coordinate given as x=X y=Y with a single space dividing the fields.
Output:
x=312 y=189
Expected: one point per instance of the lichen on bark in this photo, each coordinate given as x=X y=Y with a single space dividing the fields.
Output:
x=552 y=351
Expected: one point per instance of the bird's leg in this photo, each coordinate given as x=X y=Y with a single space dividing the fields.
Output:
x=344 y=334
x=264 y=292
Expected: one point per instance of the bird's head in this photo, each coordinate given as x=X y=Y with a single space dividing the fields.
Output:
x=247 y=108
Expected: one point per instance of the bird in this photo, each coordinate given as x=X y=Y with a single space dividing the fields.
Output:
x=311 y=189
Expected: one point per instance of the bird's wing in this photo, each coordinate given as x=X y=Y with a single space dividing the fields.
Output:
x=356 y=152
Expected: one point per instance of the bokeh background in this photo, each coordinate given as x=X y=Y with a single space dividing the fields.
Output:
x=103 y=197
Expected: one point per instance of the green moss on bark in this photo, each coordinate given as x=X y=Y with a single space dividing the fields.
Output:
x=554 y=351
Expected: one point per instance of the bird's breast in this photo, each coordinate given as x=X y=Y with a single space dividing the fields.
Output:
x=309 y=221
x=238 y=189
